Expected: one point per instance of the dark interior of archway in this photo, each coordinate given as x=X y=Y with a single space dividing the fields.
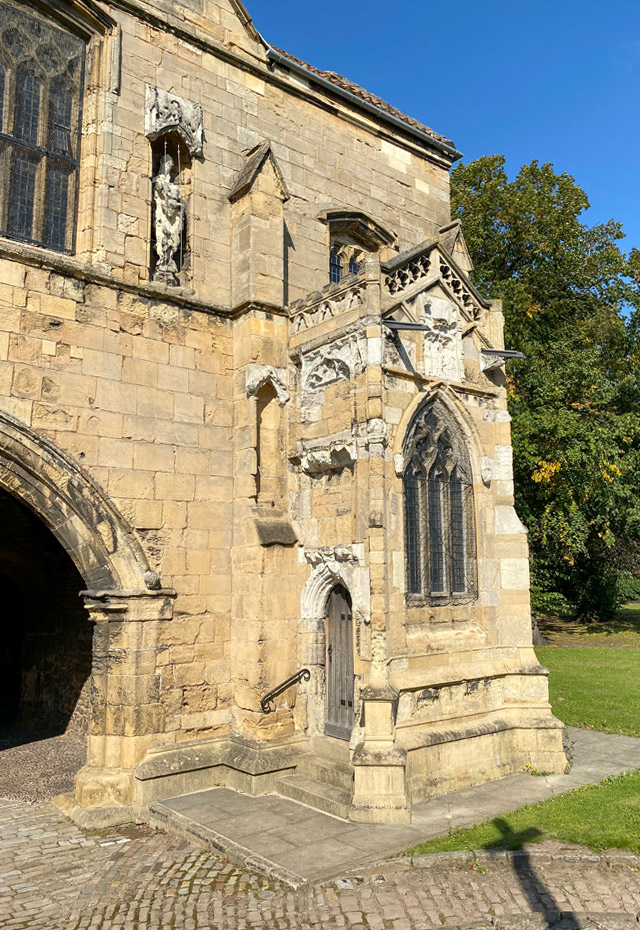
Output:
x=46 y=641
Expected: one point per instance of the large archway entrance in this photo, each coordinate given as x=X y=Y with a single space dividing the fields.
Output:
x=45 y=658
x=78 y=541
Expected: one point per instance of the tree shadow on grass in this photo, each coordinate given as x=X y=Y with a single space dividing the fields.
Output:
x=538 y=896
x=627 y=620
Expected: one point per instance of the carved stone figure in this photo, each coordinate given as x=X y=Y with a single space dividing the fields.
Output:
x=442 y=344
x=166 y=112
x=168 y=221
x=338 y=361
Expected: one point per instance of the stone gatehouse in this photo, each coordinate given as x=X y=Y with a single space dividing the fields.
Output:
x=253 y=411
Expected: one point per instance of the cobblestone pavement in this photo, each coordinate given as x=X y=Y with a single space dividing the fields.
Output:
x=35 y=768
x=54 y=876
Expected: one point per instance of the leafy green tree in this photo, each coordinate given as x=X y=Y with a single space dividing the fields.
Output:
x=571 y=300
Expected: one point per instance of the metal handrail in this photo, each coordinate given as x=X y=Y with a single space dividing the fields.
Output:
x=265 y=702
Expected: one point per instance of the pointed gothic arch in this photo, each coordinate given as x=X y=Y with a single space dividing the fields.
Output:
x=89 y=527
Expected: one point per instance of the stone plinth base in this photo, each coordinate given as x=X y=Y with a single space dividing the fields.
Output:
x=379 y=792
x=470 y=753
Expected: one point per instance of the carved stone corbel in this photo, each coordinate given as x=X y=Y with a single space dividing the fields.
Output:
x=333 y=458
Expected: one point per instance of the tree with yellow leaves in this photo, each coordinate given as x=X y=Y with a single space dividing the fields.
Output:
x=571 y=299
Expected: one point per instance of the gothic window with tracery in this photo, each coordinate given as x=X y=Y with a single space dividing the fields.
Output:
x=41 y=78
x=439 y=510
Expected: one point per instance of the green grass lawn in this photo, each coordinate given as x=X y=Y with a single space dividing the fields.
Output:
x=595 y=683
x=594 y=687
x=622 y=631
x=599 y=816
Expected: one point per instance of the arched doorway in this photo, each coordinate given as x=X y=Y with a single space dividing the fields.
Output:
x=340 y=717
x=45 y=658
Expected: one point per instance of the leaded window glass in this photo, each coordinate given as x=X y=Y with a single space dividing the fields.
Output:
x=3 y=81
x=439 y=509
x=412 y=510
x=41 y=79
x=335 y=266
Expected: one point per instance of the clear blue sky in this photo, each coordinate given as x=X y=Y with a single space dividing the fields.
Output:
x=557 y=80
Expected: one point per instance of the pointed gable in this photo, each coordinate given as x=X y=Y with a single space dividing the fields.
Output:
x=259 y=160
x=226 y=22
x=452 y=238
x=235 y=18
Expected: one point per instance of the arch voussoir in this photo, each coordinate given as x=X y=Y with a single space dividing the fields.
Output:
x=70 y=502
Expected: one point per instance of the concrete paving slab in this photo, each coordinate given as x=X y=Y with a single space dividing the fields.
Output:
x=312 y=845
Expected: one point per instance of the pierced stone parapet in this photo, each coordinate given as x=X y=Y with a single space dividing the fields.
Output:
x=423 y=266
x=415 y=269
x=459 y=288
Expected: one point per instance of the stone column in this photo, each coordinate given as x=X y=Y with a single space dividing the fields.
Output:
x=127 y=714
x=379 y=792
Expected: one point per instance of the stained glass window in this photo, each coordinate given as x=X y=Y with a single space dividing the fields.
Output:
x=413 y=511
x=436 y=535
x=27 y=114
x=439 y=511
x=2 y=84
x=23 y=190
x=458 y=543
x=40 y=106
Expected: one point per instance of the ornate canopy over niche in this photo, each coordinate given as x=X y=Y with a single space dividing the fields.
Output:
x=167 y=113
x=355 y=227
x=258 y=375
x=339 y=360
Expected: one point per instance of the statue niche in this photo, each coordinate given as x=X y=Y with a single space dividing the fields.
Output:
x=169 y=239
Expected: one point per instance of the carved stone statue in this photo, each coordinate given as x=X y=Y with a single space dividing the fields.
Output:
x=168 y=221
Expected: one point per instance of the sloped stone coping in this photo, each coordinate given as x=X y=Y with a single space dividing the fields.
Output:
x=463 y=857
x=162 y=817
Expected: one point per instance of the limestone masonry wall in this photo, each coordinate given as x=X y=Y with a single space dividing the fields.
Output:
x=139 y=393
x=222 y=438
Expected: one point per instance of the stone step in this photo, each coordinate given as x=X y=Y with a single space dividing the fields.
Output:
x=329 y=748
x=319 y=795
x=325 y=770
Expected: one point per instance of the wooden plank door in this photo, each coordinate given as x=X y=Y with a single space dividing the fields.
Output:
x=340 y=680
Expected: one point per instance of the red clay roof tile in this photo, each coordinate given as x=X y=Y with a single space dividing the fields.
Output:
x=365 y=95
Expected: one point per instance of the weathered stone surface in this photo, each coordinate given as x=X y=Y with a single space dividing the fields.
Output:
x=218 y=449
